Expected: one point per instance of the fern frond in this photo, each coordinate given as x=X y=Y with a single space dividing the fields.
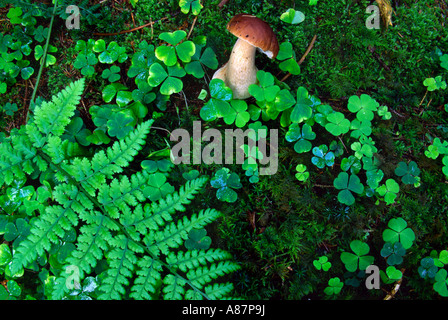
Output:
x=54 y=150
x=104 y=164
x=218 y=290
x=148 y=279
x=49 y=228
x=52 y=117
x=205 y=274
x=174 y=234
x=174 y=288
x=119 y=220
x=122 y=260
x=157 y=213
x=123 y=193
x=16 y=159
x=195 y=258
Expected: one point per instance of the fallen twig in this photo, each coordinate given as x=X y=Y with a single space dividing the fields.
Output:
x=222 y=3
x=130 y=30
x=395 y=289
x=192 y=26
x=378 y=58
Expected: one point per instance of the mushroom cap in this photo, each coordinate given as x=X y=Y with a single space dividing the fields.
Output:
x=255 y=31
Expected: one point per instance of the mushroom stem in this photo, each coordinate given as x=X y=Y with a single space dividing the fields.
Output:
x=241 y=70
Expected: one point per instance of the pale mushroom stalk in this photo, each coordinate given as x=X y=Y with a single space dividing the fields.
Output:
x=240 y=70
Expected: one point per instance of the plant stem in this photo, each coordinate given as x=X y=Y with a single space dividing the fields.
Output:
x=43 y=59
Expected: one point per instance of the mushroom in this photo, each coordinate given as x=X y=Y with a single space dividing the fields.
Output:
x=240 y=71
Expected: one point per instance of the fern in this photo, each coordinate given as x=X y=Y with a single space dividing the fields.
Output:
x=141 y=240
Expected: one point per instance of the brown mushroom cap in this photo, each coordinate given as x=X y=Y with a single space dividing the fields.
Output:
x=255 y=31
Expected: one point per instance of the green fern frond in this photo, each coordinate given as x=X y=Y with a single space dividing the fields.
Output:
x=104 y=164
x=52 y=117
x=48 y=229
x=148 y=279
x=175 y=233
x=195 y=258
x=218 y=290
x=115 y=215
x=122 y=260
x=15 y=159
x=203 y=275
x=157 y=213
x=174 y=287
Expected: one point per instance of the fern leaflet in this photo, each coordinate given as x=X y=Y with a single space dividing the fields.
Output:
x=114 y=213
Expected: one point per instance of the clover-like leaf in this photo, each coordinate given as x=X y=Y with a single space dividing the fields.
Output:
x=50 y=59
x=169 y=82
x=322 y=263
x=258 y=131
x=292 y=16
x=362 y=150
x=302 y=174
x=394 y=253
x=408 y=173
x=110 y=91
x=119 y=124
x=237 y=113
x=360 y=128
x=283 y=100
x=265 y=90
x=207 y=58
x=167 y=55
x=435 y=83
x=374 y=177
x=111 y=74
x=185 y=51
x=9 y=108
x=113 y=52
x=5 y=254
x=157 y=187
x=337 y=124
x=444 y=61
x=198 y=240
x=289 y=63
x=141 y=61
x=398 y=231
x=440 y=286
x=15 y=15
x=195 y=6
x=357 y=259
x=391 y=275
x=301 y=136
x=191 y=175
x=225 y=181
x=384 y=113
x=364 y=107
x=322 y=157
x=173 y=38
x=351 y=163
x=218 y=105
x=302 y=110
x=442 y=260
x=335 y=286
x=389 y=190
x=347 y=184
x=427 y=268
x=162 y=165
